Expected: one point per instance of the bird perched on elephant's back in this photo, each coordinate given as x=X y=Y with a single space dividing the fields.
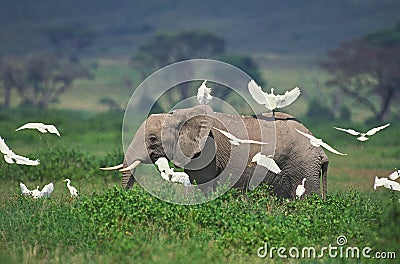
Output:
x=192 y=140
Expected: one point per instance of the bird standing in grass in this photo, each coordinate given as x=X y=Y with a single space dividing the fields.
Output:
x=72 y=190
x=204 y=94
x=300 y=190
x=363 y=136
x=272 y=101
x=317 y=142
x=41 y=128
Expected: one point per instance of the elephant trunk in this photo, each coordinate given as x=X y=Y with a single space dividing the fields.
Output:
x=135 y=154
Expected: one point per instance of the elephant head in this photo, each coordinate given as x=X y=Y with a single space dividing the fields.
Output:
x=180 y=136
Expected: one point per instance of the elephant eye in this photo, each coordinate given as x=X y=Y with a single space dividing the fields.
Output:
x=153 y=138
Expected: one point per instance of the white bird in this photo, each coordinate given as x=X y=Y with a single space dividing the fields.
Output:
x=45 y=192
x=180 y=177
x=169 y=174
x=270 y=100
x=236 y=141
x=204 y=94
x=24 y=189
x=363 y=136
x=41 y=128
x=36 y=193
x=300 y=190
x=163 y=166
x=385 y=182
x=267 y=162
x=317 y=142
x=72 y=190
x=394 y=175
x=10 y=157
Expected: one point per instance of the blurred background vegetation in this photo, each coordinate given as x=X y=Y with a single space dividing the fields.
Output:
x=343 y=55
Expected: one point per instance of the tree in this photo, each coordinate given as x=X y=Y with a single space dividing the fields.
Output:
x=166 y=48
x=68 y=40
x=368 y=70
x=40 y=80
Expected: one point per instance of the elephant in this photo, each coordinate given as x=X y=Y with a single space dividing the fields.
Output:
x=189 y=138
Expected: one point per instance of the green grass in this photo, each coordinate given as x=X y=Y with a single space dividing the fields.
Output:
x=133 y=226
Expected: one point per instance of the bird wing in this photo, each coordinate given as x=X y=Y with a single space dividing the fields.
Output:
x=3 y=147
x=204 y=94
x=47 y=189
x=268 y=163
x=394 y=175
x=8 y=159
x=227 y=134
x=37 y=126
x=21 y=160
x=350 y=131
x=326 y=146
x=288 y=98
x=256 y=92
x=376 y=129
x=52 y=129
x=256 y=157
x=311 y=137
x=392 y=185
x=180 y=177
x=24 y=189
x=250 y=141
x=73 y=191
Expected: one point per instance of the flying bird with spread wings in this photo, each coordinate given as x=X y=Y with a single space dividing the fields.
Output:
x=204 y=94
x=41 y=128
x=236 y=141
x=317 y=142
x=45 y=192
x=11 y=158
x=270 y=100
x=267 y=162
x=363 y=136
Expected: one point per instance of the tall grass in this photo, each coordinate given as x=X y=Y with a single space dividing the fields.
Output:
x=134 y=226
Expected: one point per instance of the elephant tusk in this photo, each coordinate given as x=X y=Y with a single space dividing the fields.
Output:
x=131 y=167
x=113 y=168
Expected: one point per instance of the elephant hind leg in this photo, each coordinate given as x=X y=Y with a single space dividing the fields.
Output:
x=324 y=174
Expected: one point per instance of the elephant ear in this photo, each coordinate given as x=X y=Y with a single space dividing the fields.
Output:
x=195 y=126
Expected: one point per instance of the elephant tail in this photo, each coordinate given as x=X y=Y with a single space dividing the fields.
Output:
x=324 y=174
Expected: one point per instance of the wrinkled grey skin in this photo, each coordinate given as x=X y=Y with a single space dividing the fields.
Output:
x=161 y=134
